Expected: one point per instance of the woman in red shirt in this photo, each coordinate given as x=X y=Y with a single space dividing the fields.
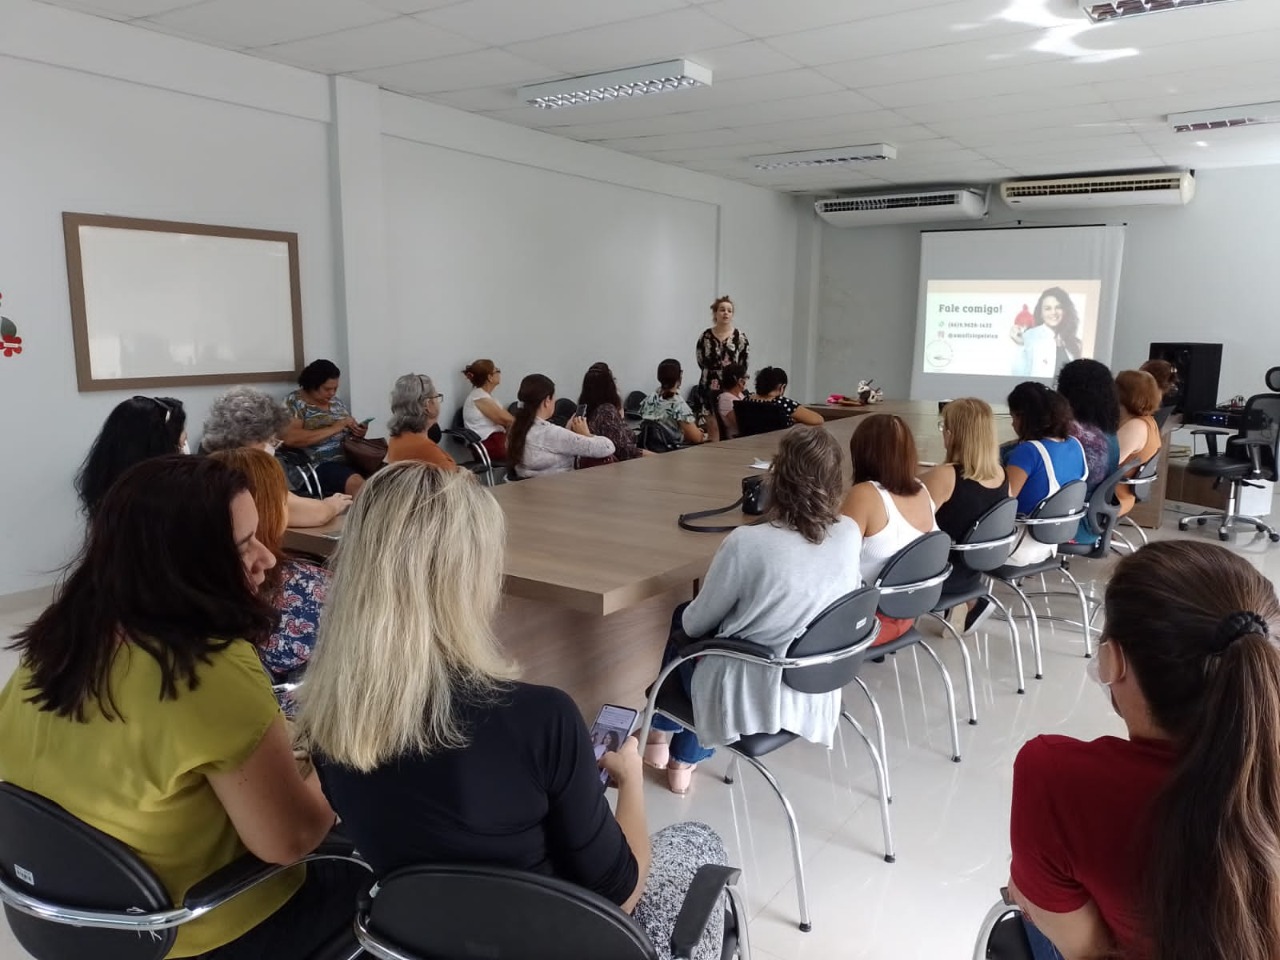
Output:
x=1165 y=845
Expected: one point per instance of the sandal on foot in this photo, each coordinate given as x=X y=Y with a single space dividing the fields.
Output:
x=658 y=755
x=680 y=778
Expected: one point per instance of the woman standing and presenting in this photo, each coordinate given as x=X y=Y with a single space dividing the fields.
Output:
x=320 y=423
x=720 y=345
x=483 y=415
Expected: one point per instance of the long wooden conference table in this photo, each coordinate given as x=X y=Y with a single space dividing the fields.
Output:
x=595 y=561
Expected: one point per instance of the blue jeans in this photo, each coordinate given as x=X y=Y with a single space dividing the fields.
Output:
x=1042 y=947
x=684 y=744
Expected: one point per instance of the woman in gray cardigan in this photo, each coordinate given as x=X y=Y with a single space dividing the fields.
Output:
x=765 y=584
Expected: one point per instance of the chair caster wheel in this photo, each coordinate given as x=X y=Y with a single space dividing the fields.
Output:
x=973 y=723
x=956 y=758
x=1039 y=676
x=1182 y=525
x=890 y=858
x=1201 y=521
x=728 y=779
x=1223 y=535
x=1022 y=690
x=806 y=927
x=1275 y=537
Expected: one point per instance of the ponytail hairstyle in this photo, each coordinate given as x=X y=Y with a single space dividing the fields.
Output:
x=1198 y=624
x=478 y=372
x=669 y=375
x=534 y=389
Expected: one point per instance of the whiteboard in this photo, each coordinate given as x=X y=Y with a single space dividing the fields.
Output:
x=156 y=303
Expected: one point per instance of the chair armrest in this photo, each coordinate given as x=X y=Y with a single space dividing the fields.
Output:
x=713 y=645
x=248 y=871
x=296 y=456
x=1211 y=439
x=702 y=899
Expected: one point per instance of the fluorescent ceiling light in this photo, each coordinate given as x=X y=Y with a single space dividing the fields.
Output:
x=1224 y=117
x=826 y=158
x=1100 y=11
x=617 y=84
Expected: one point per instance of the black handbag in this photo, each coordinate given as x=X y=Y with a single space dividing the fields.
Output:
x=659 y=436
x=754 y=502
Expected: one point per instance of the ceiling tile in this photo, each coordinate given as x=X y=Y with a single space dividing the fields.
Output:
x=644 y=127
x=838 y=102
x=665 y=36
x=482 y=68
x=410 y=6
x=958 y=58
x=384 y=44
x=255 y=23
x=125 y=9
x=680 y=141
x=894 y=33
x=857 y=128
x=751 y=59
x=767 y=18
x=994 y=106
x=478 y=100
x=501 y=22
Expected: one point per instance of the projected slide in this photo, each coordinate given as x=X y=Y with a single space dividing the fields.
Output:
x=1008 y=328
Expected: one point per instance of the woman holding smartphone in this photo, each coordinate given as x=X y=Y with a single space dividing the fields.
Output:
x=536 y=446
x=321 y=421
x=430 y=749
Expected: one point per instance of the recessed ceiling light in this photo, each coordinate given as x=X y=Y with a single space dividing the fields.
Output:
x=617 y=84
x=866 y=153
x=1221 y=118
x=1100 y=11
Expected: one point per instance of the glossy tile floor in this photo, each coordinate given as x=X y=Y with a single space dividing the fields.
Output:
x=950 y=820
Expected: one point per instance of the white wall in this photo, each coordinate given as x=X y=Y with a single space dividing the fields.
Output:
x=89 y=142
x=1195 y=273
x=114 y=119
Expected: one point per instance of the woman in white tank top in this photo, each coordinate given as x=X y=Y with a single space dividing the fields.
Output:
x=888 y=503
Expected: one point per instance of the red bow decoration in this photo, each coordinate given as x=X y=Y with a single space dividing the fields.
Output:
x=10 y=342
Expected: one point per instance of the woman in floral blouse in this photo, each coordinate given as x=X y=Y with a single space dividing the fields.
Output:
x=296 y=587
x=720 y=345
x=604 y=411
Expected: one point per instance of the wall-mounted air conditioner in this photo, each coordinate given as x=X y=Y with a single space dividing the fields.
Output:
x=875 y=209
x=1130 y=190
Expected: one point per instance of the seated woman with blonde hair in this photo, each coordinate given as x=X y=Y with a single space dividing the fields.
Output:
x=296 y=588
x=430 y=749
x=415 y=404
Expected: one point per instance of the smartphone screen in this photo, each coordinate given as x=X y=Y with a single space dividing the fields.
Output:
x=612 y=726
x=582 y=410
x=366 y=421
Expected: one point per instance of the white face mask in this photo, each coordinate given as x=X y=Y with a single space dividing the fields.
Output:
x=185 y=449
x=1093 y=668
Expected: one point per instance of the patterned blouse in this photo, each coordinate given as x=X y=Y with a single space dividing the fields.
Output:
x=607 y=421
x=302 y=594
x=657 y=407
x=318 y=418
x=714 y=356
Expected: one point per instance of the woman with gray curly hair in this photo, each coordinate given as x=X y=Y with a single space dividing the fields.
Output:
x=245 y=417
x=415 y=405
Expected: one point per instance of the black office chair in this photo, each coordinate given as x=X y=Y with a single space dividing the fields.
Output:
x=299 y=471
x=631 y=407
x=1053 y=522
x=984 y=547
x=70 y=890
x=564 y=411
x=481 y=464
x=432 y=912
x=910 y=585
x=1248 y=458
x=822 y=659
x=1002 y=935
x=758 y=416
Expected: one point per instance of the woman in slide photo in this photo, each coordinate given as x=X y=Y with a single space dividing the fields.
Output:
x=1054 y=339
x=720 y=345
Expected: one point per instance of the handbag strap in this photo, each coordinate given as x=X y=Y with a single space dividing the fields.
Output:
x=683 y=521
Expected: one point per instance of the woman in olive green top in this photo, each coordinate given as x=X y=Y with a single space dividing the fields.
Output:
x=138 y=709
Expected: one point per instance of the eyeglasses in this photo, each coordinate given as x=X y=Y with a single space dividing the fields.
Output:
x=942 y=426
x=434 y=396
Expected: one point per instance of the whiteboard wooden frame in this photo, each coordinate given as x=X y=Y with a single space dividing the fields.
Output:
x=81 y=312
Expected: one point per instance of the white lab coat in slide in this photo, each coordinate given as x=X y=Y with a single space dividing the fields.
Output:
x=1039 y=356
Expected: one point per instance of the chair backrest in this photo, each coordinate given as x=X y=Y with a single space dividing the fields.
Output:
x=631 y=407
x=988 y=543
x=1058 y=515
x=756 y=416
x=1164 y=413
x=1142 y=482
x=47 y=853
x=565 y=408
x=476 y=911
x=1103 y=509
x=911 y=582
x=1262 y=422
x=845 y=623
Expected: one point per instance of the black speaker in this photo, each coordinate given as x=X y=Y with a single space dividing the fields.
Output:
x=1198 y=366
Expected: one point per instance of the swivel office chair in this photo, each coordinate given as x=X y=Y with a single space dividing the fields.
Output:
x=1247 y=458
x=754 y=417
